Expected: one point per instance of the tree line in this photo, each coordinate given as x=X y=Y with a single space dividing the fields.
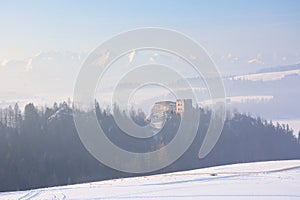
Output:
x=40 y=147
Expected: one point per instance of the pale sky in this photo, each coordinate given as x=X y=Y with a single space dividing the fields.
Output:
x=44 y=43
x=244 y=28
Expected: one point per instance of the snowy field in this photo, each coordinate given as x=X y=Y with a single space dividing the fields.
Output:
x=269 y=76
x=261 y=180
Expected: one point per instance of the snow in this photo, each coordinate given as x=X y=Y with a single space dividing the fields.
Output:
x=260 y=180
x=249 y=98
x=269 y=76
x=258 y=61
x=239 y=99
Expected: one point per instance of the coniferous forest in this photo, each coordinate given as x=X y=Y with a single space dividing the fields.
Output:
x=39 y=147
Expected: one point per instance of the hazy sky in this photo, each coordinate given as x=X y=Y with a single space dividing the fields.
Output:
x=242 y=28
x=44 y=43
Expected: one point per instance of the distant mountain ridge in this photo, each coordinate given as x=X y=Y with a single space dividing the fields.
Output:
x=280 y=68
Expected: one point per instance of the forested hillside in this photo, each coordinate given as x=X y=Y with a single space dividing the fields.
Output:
x=39 y=147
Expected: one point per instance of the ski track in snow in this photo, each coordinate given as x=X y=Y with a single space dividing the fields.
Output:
x=29 y=195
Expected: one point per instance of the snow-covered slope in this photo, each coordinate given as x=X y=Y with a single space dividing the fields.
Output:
x=261 y=180
x=268 y=76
